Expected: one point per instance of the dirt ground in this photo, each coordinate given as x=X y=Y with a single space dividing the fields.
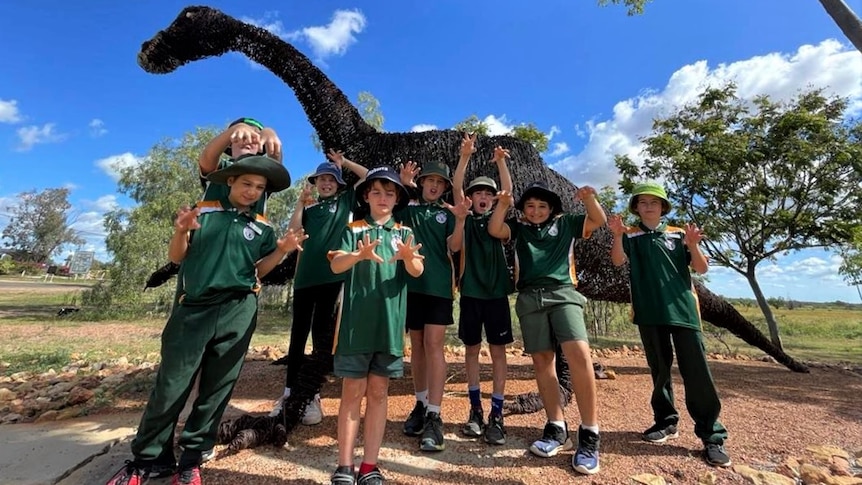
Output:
x=772 y=414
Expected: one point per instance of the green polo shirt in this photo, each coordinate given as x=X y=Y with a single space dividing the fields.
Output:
x=432 y=225
x=222 y=253
x=324 y=222
x=220 y=191
x=484 y=270
x=544 y=253
x=374 y=299
x=661 y=286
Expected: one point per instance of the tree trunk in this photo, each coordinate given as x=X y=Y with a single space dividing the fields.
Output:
x=764 y=307
x=846 y=20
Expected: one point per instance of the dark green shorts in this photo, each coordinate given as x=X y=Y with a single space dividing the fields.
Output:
x=550 y=315
x=358 y=366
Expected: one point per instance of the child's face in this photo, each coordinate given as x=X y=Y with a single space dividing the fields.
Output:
x=381 y=198
x=648 y=208
x=483 y=200
x=536 y=211
x=240 y=148
x=326 y=185
x=246 y=189
x=433 y=187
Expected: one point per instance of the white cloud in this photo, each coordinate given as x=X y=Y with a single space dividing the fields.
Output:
x=497 y=126
x=34 y=135
x=9 y=111
x=97 y=128
x=423 y=127
x=559 y=149
x=113 y=164
x=269 y=21
x=555 y=130
x=830 y=65
x=325 y=40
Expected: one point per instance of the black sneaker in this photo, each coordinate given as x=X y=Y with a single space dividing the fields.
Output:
x=374 y=477
x=554 y=440
x=716 y=455
x=343 y=475
x=475 y=425
x=586 y=458
x=659 y=433
x=495 y=433
x=130 y=474
x=415 y=424
x=432 y=437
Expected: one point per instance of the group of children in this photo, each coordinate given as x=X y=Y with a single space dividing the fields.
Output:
x=392 y=272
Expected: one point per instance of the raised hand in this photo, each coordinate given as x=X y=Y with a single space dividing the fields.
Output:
x=292 y=240
x=408 y=173
x=460 y=211
x=407 y=250
x=306 y=196
x=187 y=219
x=504 y=199
x=365 y=249
x=243 y=133
x=468 y=144
x=500 y=154
x=584 y=192
x=615 y=224
x=693 y=235
x=270 y=142
x=337 y=157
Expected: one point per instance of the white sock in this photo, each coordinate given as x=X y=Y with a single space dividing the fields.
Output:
x=433 y=409
x=422 y=397
x=561 y=424
x=594 y=428
x=286 y=392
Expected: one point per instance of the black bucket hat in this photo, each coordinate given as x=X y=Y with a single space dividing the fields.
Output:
x=383 y=173
x=540 y=190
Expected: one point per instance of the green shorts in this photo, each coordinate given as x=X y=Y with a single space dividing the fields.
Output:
x=358 y=366
x=550 y=315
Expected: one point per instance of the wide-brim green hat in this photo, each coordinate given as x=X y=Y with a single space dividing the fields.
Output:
x=436 y=168
x=277 y=177
x=480 y=183
x=649 y=188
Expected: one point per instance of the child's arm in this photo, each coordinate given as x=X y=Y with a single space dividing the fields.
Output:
x=497 y=226
x=186 y=221
x=618 y=255
x=270 y=143
x=303 y=200
x=342 y=162
x=409 y=253
x=455 y=241
x=408 y=174
x=341 y=261
x=292 y=240
x=210 y=155
x=500 y=156
x=693 y=236
x=468 y=147
x=596 y=217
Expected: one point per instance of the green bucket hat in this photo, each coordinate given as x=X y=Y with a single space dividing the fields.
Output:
x=277 y=177
x=480 y=183
x=649 y=188
x=435 y=168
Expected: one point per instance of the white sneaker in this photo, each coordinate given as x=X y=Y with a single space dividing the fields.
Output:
x=313 y=412
x=276 y=408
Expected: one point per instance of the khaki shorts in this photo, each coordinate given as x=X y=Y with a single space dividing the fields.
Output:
x=550 y=315
x=358 y=366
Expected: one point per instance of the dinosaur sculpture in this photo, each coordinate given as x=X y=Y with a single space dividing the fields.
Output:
x=201 y=32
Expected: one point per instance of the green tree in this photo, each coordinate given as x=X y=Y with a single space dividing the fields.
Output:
x=40 y=225
x=841 y=13
x=369 y=108
x=524 y=131
x=472 y=124
x=763 y=178
x=851 y=265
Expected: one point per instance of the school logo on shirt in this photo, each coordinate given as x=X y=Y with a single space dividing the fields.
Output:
x=441 y=217
x=248 y=233
x=395 y=240
x=332 y=208
x=553 y=231
x=669 y=244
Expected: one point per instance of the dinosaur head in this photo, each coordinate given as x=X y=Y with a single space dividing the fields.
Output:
x=188 y=38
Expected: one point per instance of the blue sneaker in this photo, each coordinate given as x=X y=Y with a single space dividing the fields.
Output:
x=586 y=459
x=554 y=440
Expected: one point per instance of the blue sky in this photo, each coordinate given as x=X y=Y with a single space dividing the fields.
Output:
x=73 y=101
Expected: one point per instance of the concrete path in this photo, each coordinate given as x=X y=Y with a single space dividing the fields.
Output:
x=46 y=453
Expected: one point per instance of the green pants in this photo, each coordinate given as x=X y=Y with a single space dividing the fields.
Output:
x=701 y=398
x=211 y=340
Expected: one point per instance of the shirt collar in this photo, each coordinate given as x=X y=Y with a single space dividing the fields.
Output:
x=662 y=226
x=389 y=224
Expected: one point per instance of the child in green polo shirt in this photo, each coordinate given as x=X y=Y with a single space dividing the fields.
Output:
x=315 y=286
x=223 y=247
x=666 y=311
x=485 y=286
x=551 y=311
x=377 y=255
x=439 y=227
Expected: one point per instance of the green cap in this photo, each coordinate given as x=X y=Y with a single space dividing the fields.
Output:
x=277 y=177
x=649 y=188
x=481 y=182
x=435 y=168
